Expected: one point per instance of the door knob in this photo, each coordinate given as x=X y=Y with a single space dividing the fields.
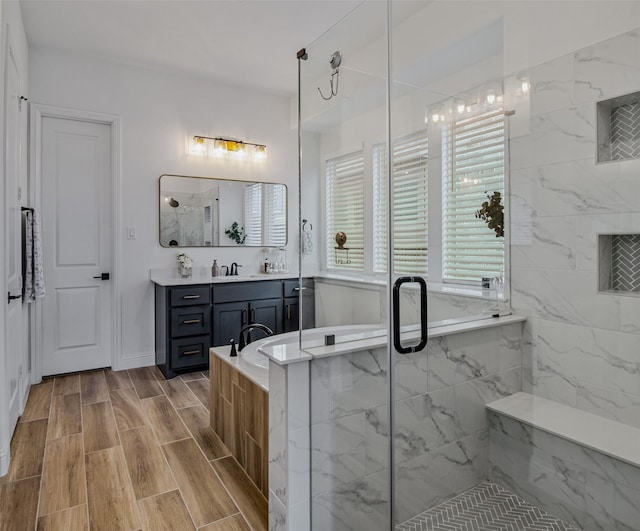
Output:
x=103 y=276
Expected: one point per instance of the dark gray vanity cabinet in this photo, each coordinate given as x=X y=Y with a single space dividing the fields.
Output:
x=191 y=319
x=236 y=305
x=291 y=316
x=183 y=328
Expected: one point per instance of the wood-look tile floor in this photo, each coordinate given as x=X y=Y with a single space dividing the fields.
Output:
x=129 y=451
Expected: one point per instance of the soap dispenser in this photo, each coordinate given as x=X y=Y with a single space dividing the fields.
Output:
x=215 y=270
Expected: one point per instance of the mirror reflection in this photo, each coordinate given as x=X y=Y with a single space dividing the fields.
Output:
x=207 y=212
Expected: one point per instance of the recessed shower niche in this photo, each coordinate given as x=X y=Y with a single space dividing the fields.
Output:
x=619 y=258
x=619 y=128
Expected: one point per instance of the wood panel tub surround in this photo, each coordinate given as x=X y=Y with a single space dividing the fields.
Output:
x=240 y=417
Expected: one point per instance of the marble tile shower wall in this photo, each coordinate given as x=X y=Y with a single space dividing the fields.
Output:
x=442 y=430
x=586 y=489
x=582 y=347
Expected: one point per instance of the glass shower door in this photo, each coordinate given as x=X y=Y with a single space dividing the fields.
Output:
x=343 y=138
x=392 y=168
x=447 y=154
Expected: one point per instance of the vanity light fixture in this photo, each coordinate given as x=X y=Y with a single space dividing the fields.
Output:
x=223 y=146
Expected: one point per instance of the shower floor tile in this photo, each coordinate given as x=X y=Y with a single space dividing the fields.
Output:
x=486 y=507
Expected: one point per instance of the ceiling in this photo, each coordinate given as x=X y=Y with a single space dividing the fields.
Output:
x=249 y=43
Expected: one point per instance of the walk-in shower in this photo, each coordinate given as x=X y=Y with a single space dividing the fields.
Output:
x=448 y=116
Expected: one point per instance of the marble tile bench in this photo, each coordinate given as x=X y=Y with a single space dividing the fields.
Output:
x=580 y=467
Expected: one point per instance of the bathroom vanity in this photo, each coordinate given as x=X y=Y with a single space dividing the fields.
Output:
x=194 y=314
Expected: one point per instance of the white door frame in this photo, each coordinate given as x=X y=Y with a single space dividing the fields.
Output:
x=38 y=112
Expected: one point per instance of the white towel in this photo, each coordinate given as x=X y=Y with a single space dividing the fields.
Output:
x=33 y=275
x=307 y=239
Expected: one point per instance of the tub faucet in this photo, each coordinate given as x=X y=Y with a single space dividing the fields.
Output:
x=263 y=328
x=234 y=269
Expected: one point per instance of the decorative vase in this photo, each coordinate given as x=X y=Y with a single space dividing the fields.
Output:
x=185 y=272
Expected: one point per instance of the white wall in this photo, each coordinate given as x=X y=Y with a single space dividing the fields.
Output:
x=160 y=112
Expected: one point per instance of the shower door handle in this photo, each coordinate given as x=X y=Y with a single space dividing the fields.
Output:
x=423 y=315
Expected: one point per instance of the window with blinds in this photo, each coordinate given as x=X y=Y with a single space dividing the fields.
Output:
x=265 y=220
x=473 y=167
x=409 y=175
x=253 y=214
x=345 y=210
x=274 y=215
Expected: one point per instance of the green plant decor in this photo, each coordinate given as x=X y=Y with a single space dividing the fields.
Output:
x=236 y=233
x=492 y=213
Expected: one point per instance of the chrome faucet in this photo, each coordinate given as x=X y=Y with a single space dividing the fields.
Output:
x=234 y=269
x=263 y=328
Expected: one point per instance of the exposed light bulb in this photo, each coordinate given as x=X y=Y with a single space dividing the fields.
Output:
x=197 y=147
x=525 y=86
x=435 y=117
x=260 y=153
x=491 y=98
x=461 y=108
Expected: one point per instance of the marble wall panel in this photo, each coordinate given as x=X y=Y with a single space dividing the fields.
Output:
x=592 y=369
x=439 y=414
x=277 y=432
x=360 y=504
x=607 y=69
x=583 y=487
x=569 y=297
x=561 y=200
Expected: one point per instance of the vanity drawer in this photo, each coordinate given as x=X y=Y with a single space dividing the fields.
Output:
x=190 y=351
x=190 y=321
x=190 y=295
x=247 y=291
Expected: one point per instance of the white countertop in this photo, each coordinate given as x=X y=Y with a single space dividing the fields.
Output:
x=290 y=352
x=202 y=275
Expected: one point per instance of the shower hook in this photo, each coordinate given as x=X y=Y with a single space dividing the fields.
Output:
x=334 y=61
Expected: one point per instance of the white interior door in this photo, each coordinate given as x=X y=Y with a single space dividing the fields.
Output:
x=13 y=251
x=77 y=245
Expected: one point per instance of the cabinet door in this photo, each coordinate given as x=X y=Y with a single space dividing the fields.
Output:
x=228 y=320
x=267 y=312
x=291 y=319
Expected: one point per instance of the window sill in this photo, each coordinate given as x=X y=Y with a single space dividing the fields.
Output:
x=471 y=291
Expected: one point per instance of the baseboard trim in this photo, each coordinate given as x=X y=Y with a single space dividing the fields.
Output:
x=4 y=461
x=144 y=360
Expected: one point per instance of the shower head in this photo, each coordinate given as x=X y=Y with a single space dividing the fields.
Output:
x=173 y=203
x=335 y=59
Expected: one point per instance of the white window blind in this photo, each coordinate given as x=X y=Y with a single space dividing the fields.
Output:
x=409 y=175
x=253 y=214
x=473 y=167
x=345 y=210
x=275 y=219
